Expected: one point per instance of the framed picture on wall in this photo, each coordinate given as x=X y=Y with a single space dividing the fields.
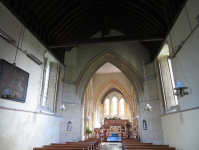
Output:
x=13 y=82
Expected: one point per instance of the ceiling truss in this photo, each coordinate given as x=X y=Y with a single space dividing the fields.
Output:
x=56 y=23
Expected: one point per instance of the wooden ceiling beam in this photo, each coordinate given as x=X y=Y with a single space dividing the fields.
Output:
x=114 y=39
x=170 y=27
x=139 y=15
x=82 y=30
x=133 y=23
x=76 y=25
x=137 y=19
x=89 y=30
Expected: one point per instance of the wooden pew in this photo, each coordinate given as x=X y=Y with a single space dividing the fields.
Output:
x=170 y=148
x=58 y=148
x=91 y=145
x=94 y=143
x=146 y=146
x=133 y=144
x=163 y=147
x=67 y=146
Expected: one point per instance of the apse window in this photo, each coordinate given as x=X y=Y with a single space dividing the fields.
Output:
x=114 y=100
x=46 y=81
x=107 y=106
x=122 y=106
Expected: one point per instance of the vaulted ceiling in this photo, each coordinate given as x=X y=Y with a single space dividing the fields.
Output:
x=61 y=24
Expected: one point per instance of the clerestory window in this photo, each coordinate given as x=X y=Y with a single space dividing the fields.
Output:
x=46 y=81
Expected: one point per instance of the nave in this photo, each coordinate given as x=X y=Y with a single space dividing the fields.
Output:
x=69 y=65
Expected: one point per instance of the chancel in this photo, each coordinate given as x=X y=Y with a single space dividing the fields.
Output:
x=99 y=74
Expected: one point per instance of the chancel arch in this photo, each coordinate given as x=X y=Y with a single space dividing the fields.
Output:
x=115 y=59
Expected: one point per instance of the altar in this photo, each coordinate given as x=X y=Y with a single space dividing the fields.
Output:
x=108 y=123
x=115 y=129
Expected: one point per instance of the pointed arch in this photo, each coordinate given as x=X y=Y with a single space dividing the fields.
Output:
x=105 y=87
x=110 y=91
x=115 y=59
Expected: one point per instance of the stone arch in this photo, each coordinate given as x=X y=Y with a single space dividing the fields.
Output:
x=105 y=87
x=115 y=59
x=110 y=91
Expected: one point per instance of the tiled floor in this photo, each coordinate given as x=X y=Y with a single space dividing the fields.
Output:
x=111 y=146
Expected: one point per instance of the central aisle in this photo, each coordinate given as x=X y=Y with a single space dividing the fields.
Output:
x=111 y=146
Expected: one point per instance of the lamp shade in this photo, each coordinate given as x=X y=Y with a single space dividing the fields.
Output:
x=148 y=108
x=62 y=108
x=180 y=85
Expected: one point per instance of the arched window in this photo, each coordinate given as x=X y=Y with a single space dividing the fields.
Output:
x=122 y=106
x=167 y=78
x=46 y=81
x=172 y=80
x=114 y=100
x=107 y=106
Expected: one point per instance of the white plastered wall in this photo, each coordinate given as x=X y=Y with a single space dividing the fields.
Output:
x=181 y=129
x=23 y=130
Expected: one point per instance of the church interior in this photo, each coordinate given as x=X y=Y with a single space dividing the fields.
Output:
x=99 y=74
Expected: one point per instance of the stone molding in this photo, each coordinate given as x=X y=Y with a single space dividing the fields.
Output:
x=115 y=59
x=105 y=87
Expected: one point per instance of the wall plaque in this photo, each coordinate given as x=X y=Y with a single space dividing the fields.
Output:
x=69 y=126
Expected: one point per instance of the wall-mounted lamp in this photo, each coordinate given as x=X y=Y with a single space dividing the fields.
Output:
x=88 y=117
x=7 y=37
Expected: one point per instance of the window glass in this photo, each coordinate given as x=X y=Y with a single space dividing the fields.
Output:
x=122 y=106
x=114 y=100
x=107 y=106
x=172 y=80
x=45 y=92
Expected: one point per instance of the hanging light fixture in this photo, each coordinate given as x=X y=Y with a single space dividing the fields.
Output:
x=180 y=87
x=63 y=108
x=147 y=108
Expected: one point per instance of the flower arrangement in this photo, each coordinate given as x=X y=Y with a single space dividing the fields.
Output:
x=88 y=130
